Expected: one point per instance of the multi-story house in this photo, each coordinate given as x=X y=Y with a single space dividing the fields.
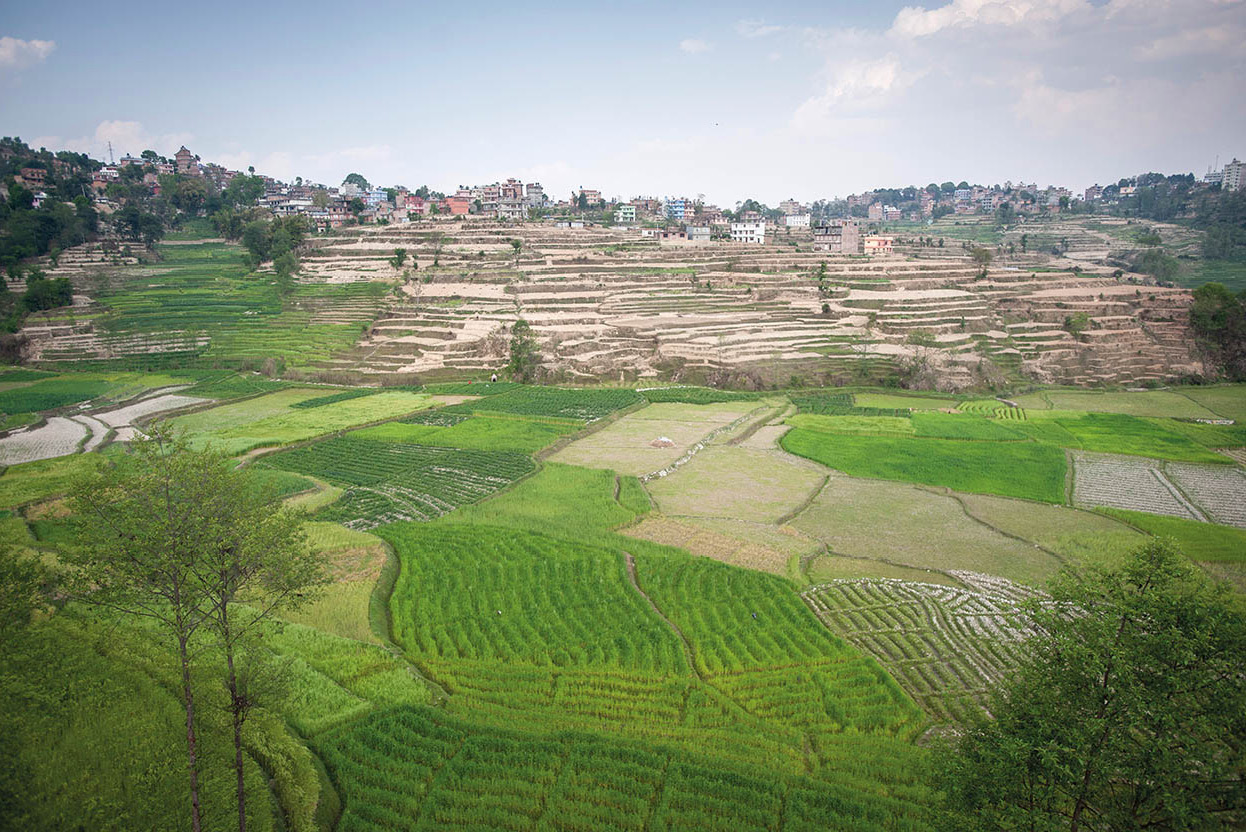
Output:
x=753 y=232
x=875 y=244
x=791 y=206
x=838 y=237
x=699 y=233
x=511 y=189
x=1232 y=176
x=187 y=164
x=797 y=220
x=624 y=214
x=875 y=211
x=512 y=209
x=591 y=197
x=1093 y=193
x=676 y=209
x=536 y=195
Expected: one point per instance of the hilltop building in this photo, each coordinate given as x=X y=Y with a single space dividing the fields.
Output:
x=1232 y=180
x=624 y=214
x=186 y=162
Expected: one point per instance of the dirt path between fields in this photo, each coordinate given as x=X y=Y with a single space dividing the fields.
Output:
x=688 y=654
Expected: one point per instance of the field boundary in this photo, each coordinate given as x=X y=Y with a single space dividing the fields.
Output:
x=808 y=501
x=689 y=654
x=589 y=429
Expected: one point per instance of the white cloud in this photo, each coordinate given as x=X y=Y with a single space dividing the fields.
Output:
x=693 y=46
x=17 y=54
x=856 y=88
x=918 y=21
x=755 y=28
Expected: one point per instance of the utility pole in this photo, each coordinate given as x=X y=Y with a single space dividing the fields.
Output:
x=111 y=160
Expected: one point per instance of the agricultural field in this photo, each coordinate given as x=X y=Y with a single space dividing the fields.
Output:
x=755 y=623
x=744 y=484
x=1128 y=483
x=386 y=482
x=483 y=431
x=1010 y=469
x=1178 y=404
x=635 y=445
x=555 y=402
x=948 y=647
x=273 y=419
x=893 y=524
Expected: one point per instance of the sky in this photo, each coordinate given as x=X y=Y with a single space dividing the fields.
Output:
x=724 y=100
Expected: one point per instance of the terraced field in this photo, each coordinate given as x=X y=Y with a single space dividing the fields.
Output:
x=947 y=646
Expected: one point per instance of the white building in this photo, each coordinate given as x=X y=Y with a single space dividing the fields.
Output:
x=1232 y=180
x=699 y=233
x=624 y=214
x=797 y=220
x=512 y=209
x=748 y=232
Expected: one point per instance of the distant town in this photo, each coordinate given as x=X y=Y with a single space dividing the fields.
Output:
x=844 y=226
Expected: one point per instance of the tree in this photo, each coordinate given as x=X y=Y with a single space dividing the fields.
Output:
x=1129 y=713
x=1005 y=214
x=400 y=257
x=523 y=352
x=259 y=555
x=1076 y=324
x=139 y=547
x=517 y=246
x=981 y=256
x=286 y=266
x=356 y=179
x=1157 y=264
x=1218 y=319
x=320 y=198
x=581 y=201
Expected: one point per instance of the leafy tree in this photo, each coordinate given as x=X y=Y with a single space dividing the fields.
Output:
x=1005 y=214
x=981 y=256
x=948 y=187
x=258 y=555
x=243 y=190
x=524 y=357
x=1218 y=319
x=400 y=257
x=1129 y=713
x=356 y=206
x=356 y=179
x=1157 y=264
x=1076 y=324
x=320 y=198
x=144 y=532
x=581 y=201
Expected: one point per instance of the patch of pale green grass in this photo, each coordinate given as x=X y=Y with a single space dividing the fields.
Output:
x=740 y=483
x=903 y=525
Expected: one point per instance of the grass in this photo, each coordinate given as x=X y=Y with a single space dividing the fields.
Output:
x=273 y=419
x=1203 y=542
x=354 y=561
x=963 y=426
x=481 y=432
x=1119 y=434
x=1228 y=401
x=627 y=445
x=334 y=398
x=695 y=395
x=856 y=425
x=573 y=502
x=745 y=484
x=1143 y=403
x=52 y=393
x=893 y=400
x=1074 y=535
x=35 y=481
x=1011 y=469
x=896 y=524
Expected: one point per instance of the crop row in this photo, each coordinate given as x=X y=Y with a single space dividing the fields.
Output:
x=1132 y=484
x=841 y=404
x=390 y=481
x=416 y=769
x=947 y=646
x=1219 y=490
x=694 y=395
x=583 y=405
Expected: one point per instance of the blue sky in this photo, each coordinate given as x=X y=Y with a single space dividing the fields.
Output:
x=729 y=100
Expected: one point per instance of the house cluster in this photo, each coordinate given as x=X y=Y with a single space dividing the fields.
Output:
x=845 y=236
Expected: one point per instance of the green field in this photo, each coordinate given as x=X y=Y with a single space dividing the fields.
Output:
x=1204 y=542
x=1010 y=469
x=275 y=418
x=482 y=432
